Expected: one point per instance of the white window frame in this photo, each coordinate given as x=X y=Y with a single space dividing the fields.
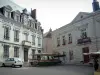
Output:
x=6 y=36
x=33 y=39
x=16 y=35
x=6 y=51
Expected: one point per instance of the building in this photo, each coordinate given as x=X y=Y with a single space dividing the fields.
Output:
x=20 y=32
x=47 y=42
x=80 y=36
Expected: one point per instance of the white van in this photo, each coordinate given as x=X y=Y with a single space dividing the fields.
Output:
x=13 y=62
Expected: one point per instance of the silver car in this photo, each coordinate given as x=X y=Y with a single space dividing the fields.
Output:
x=13 y=62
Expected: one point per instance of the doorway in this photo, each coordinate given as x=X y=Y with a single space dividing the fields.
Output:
x=25 y=54
x=86 y=57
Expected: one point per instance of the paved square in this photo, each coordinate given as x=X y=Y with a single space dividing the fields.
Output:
x=51 y=70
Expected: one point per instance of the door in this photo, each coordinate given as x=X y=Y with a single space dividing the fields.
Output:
x=86 y=57
x=26 y=54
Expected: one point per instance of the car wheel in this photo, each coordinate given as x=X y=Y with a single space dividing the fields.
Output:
x=3 y=65
x=20 y=65
x=13 y=65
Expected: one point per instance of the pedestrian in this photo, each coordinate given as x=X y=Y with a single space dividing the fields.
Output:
x=96 y=65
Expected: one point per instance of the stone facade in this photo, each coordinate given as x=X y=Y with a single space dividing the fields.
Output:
x=20 y=34
x=47 y=42
x=80 y=36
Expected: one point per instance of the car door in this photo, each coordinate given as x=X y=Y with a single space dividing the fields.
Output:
x=11 y=61
x=19 y=62
x=7 y=61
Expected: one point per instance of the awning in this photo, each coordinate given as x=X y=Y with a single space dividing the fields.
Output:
x=86 y=53
x=92 y=53
x=98 y=52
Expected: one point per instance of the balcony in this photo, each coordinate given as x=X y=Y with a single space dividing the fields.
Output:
x=26 y=43
x=84 y=40
x=6 y=37
x=16 y=39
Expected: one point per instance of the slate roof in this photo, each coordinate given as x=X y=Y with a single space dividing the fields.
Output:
x=12 y=4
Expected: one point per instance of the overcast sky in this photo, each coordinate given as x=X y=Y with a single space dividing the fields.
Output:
x=56 y=13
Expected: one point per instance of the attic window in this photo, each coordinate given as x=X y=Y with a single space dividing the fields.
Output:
x=81 y=16
x=7 y=14
x=35 y=25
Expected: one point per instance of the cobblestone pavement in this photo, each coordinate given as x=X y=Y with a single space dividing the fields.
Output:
x=50 y=70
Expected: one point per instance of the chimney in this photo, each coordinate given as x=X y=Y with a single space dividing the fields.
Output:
x=33 y=13
x=95 y=5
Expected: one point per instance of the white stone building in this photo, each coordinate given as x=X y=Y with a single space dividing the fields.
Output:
x=20 y=33
x=80 y=36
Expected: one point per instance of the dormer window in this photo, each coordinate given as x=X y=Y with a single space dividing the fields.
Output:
x=24 y=17
x=35 y=25
x=16 y=15
x=17 y=18
x=29 y=23
x=25 y=11
x=7 y=11
x=7 y=14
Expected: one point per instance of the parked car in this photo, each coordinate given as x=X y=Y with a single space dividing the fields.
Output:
x=13 y=62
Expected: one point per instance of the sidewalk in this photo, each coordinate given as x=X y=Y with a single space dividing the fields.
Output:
x=77 y=64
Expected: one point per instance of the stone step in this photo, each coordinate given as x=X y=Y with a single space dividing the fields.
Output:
x=26 y=64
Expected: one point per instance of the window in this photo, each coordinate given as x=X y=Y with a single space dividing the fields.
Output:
x=7 y=59
x=26 y=36
x=64 y=40
x=39 y=51
x=22 y=20
x=39 y=41
x=11 y=59
x=71 y=55
x=58 y=42
x=38 y=28
x=16 y=36
x=25 y=20
x=6 y=51
x=35 y=25
x=16 y=51
x=17 y=18
x=30 y=23
x=33 y=40
x=70 y=38
x=6 y=33
x=83 y=33
x=7 y=14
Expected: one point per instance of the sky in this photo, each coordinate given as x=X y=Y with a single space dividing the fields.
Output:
x=56 y=13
